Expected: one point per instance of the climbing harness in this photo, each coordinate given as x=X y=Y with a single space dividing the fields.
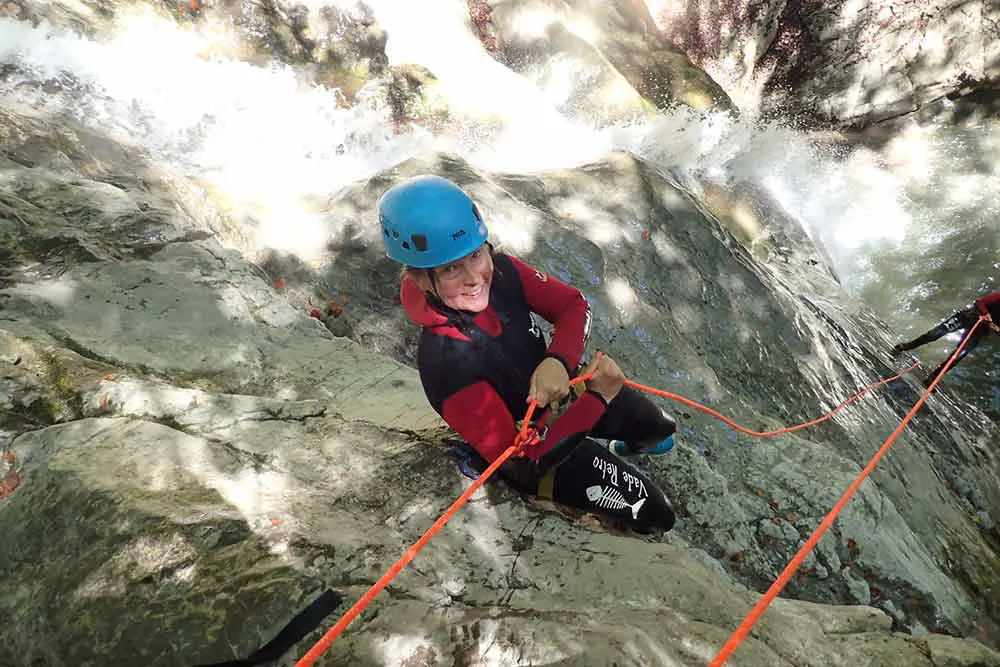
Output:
x=527 y=437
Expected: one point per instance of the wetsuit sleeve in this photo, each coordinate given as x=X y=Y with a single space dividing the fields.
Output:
x=580 y=417
x=984 y=304
x=479 y=415
x=563 y=306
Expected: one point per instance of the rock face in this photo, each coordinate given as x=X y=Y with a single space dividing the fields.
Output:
x=852 y=63
x=609 y=53
x=199 y=457
x=338 y=45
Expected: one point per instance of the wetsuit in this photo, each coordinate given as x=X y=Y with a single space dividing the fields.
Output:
x=476 y=371
x=960 y=320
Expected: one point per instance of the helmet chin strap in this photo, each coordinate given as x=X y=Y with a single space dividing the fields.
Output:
x=432 y=295
x=433 y=291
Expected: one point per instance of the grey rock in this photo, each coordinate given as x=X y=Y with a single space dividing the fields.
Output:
x=833 y=61
x=626 y=60
x=200 y=457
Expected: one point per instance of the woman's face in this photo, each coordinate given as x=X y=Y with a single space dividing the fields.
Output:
x=465 y=283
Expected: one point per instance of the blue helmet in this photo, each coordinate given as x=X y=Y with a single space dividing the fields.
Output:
x=429 y=221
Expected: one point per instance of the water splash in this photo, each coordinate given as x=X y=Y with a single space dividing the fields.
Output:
x=278 y=149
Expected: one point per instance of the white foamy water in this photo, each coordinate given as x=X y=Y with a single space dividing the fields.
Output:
x=273 y=146
x=278 y=149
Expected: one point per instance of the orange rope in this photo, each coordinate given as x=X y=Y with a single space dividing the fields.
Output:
x=526 y=437
x=744 y=628
x=780 y=431
x=324 y=643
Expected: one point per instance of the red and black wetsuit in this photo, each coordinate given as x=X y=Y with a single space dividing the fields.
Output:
x=989 y=305
x=476 y=371
x=963 y=319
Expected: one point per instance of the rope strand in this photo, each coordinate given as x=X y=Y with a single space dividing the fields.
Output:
x=528 y=436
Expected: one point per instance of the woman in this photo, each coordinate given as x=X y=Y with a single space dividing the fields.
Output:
x=482 y=359
x=987 y=307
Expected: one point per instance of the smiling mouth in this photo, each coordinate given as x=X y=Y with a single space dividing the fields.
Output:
x=475 y=293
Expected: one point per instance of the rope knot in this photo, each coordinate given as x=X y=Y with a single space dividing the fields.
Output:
x=526 y=439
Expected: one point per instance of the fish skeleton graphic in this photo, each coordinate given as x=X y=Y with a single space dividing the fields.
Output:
x=612 y=499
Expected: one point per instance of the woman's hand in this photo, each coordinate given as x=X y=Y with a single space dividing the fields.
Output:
x=607 y=379
x=549 y=382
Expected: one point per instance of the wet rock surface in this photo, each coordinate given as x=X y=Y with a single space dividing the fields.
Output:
x=204 y=438
x=612 y=52
x=201 y=456
x=850 y=64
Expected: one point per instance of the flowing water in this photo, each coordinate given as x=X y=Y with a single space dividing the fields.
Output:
x=910 y=230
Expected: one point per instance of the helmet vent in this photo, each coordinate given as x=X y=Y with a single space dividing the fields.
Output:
x=419 y=242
